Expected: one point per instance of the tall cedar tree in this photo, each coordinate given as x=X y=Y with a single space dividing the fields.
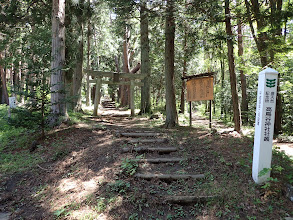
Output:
x=244 y=100
x=171 y=113
x=125 y=89
x=266 y=45
x=145 y=59
x=78 y=74
x=58 y=104
x=233 y=83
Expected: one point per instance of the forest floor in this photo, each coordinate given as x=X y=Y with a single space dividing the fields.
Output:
x=82 y=173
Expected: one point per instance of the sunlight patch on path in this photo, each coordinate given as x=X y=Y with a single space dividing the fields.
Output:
x=75 y=190
x=4 y=215
x=285 y=147
x=87 y=213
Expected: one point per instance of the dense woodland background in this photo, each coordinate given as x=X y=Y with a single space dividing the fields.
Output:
x=45 y=45
x=59 y=161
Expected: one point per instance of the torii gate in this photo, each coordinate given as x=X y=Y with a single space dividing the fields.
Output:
x=98 y=75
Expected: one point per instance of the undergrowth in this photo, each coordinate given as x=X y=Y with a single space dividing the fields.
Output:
x=17 y=133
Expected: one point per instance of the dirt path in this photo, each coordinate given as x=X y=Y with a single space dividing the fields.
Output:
x=286 y=147
x=100 y=170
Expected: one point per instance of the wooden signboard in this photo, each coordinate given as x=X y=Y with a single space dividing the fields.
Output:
x=199 y=89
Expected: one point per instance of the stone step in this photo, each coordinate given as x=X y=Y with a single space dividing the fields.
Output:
x=145 y=141
x=149 y=149
x=169 y=177
x=159 y=160
x=143 y=134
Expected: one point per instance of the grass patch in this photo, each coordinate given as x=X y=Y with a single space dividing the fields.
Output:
x=17 y=134
x=78 y=117
x=17 y=162
x=14 y=139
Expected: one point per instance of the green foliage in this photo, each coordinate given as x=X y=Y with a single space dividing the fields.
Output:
x=264 y=172
x=129 y=166
x=10 y=135
x=18 y=161
x=59 y=150
x=282 y=166
x=269 y=182
x=21 y=117
x=133 y=216
x=119 y=186
x=61 y=213
x=14 y=156
x=77 y=117
x=101 y=205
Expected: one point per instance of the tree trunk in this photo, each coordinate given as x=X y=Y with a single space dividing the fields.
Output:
x=262 y=42
x=1 y=90
x=236 y=112
x=21 y=81
x=114 y=87
x=58 y=105
x=244 y=100
x=77 y=77
x=15 y=83
x=125 y=89
x=145 y=59
x=88 y=101
x=171 y=113
x=276 y=22
x=4 y=92
x=183 y=85
x=261 y=38
x=222 y=61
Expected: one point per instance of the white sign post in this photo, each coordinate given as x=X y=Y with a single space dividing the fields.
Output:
x=12 y=102
x=264 y=124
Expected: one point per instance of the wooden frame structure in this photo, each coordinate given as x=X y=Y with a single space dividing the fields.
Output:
x=200 y=76
x=98 y=75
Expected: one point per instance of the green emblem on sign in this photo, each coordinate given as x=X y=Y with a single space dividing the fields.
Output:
x=270 y=83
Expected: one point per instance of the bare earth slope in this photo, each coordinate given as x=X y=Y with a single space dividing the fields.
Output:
x=86 y=174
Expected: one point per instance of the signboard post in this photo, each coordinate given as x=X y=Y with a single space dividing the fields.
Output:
x=264 y=124
x=200 y=89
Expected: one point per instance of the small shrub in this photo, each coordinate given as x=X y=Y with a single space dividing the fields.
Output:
x=119 y=186
x=129 y=166
x=21 y=117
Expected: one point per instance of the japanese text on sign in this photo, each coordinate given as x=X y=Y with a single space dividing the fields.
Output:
x=199 y=89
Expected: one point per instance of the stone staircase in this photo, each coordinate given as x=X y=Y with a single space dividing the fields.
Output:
x=159 y=156
x=107 y=104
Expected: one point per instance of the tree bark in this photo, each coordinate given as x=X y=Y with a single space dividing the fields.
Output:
x=1 y=92
x=235 y=103
x=262 y=41
x=261 y=37
x=113 y=87
x=222 y=61
x=88 y=101
x=77 y=77
x=145 y=59
x=244 y=100
x=183 y=85
x=125 y=89
x=58 y=105
x=4 y=92
x=171 y=113
x=276 y=20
